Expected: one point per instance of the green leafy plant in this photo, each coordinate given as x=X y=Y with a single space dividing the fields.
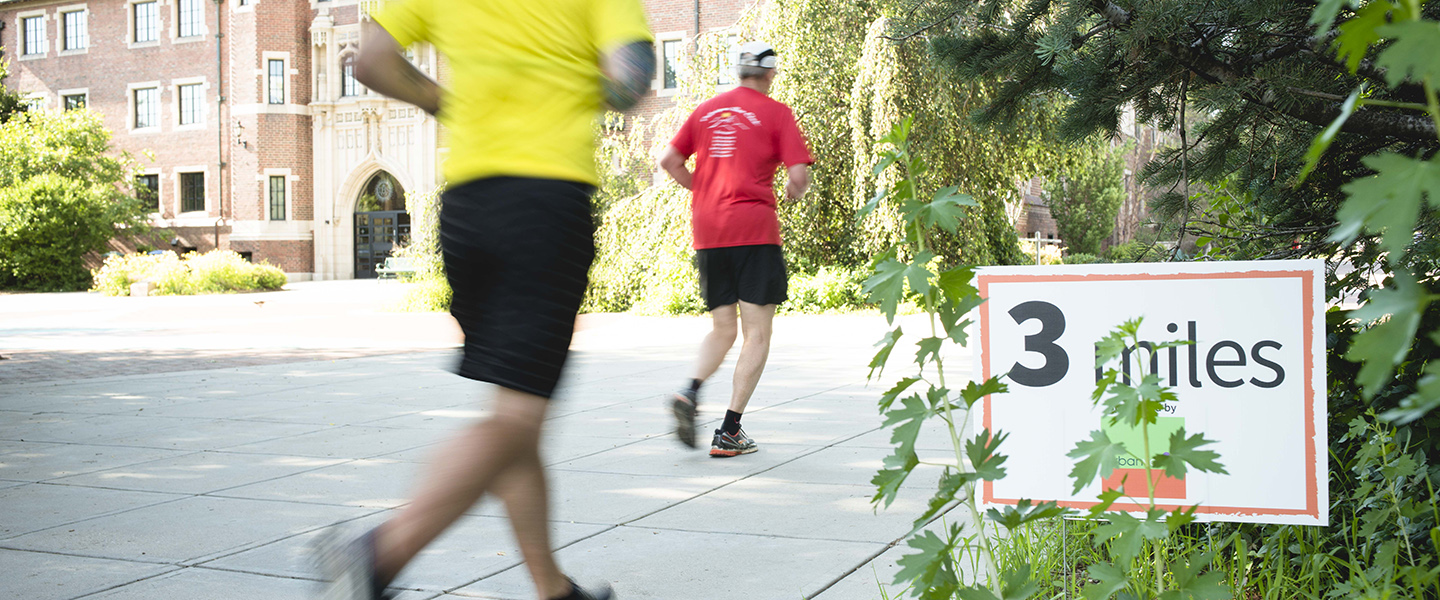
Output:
x=911 y=271
x=428 y=290
x=1138 y=407
x=1390 y=203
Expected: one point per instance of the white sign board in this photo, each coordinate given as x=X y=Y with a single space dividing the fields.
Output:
x=1253 y=380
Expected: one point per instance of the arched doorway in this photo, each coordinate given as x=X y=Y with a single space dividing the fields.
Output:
x=381 y=223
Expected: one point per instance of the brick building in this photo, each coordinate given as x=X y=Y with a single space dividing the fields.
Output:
x=251 y=131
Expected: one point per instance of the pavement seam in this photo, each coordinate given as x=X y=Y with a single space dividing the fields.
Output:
x=706 y=492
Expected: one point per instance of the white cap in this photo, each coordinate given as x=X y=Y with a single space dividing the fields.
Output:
x=755 y=54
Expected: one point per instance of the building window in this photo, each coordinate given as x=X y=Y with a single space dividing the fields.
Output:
x=74 y=101
x=191 y=15
x=34 y=32
x=192 y=192
x=35 y=103
x=670 y=58
x=147 y=107
x=77 y=35
x=277 y=197
x=275 y=69
x=191 y=95
x=725 y=59
x=348 y=85
x=147 y=21
x=147 y=189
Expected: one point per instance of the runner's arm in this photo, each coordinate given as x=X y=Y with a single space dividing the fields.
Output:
x=628 y=71
x=798 y=181
x=381 y=67
x=674 y=164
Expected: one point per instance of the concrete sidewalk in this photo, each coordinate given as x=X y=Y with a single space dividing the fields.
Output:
x=208 y=484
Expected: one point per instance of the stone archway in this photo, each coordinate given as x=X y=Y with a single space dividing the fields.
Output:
x=381 y=223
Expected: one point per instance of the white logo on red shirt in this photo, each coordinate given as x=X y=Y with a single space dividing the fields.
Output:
x=725 y=123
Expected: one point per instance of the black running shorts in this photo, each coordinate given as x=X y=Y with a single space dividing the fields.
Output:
x=755 y=274
x=517 y=254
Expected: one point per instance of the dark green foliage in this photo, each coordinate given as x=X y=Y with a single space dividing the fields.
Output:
x=47 y=224
x=60 y=198
x=1254 y=73
x=1085 y=191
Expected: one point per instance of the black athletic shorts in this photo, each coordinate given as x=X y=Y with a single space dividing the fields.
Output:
x=755 y=274
x=517 y=254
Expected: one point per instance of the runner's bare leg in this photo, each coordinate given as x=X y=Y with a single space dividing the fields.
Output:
x=500 y=452
x=756 y=321
x=718 y=342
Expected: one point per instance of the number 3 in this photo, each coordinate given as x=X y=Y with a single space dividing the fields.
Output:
x=1052 y=325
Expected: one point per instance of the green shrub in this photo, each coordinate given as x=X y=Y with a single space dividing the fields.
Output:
x=1137 y=251
x=217 y=271
x=426 y=293
x=829 y=289
x=120 y=270
x=1081 y=258
x=672 y=286
x=48 y=223
x=60 y=198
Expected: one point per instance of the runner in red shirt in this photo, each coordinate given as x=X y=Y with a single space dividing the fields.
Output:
x=738 y=139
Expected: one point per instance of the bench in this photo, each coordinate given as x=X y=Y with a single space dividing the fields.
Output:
x=395 y=266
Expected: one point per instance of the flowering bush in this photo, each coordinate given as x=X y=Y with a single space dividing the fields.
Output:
x=217 y=271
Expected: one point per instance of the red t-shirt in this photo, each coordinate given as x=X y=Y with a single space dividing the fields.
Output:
x=739 y=137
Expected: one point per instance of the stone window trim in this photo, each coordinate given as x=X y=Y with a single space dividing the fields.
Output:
x=64 y=36
x=349 y=86
x=36 y=101
x=22 y=40
x=658 y=84
x=177 y=180
x=241 y=6
x=131 y=6
x=159 y=187
x=289 y=73
x=201 y=31
x=290 y=179
x=64 y=94
x=130 y=90
x=202 y=110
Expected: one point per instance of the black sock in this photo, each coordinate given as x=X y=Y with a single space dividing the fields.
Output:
x=732 y=422
x=378 y=581
x=575 y=593
x=695 y=386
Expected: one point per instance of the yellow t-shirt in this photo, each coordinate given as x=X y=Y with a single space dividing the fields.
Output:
x=526 y=81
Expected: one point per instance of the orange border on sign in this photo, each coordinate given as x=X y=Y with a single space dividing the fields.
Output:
x=1307 y=281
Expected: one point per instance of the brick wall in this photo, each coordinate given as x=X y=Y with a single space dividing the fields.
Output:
x=290 y=256
x=108 y=68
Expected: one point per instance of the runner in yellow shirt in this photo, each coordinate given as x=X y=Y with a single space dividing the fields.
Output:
x=529 y=79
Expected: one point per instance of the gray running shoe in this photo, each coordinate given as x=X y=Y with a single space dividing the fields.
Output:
x=724 y=444
x=683 y=404
x=346 y=565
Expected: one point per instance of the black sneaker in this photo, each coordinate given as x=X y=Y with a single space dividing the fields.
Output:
x=578 y=593
x=347 y=566
x=683 y=404
x=724 y=444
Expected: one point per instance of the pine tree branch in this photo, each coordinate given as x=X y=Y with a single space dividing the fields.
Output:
x=925 y=28
x=1218 y=72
